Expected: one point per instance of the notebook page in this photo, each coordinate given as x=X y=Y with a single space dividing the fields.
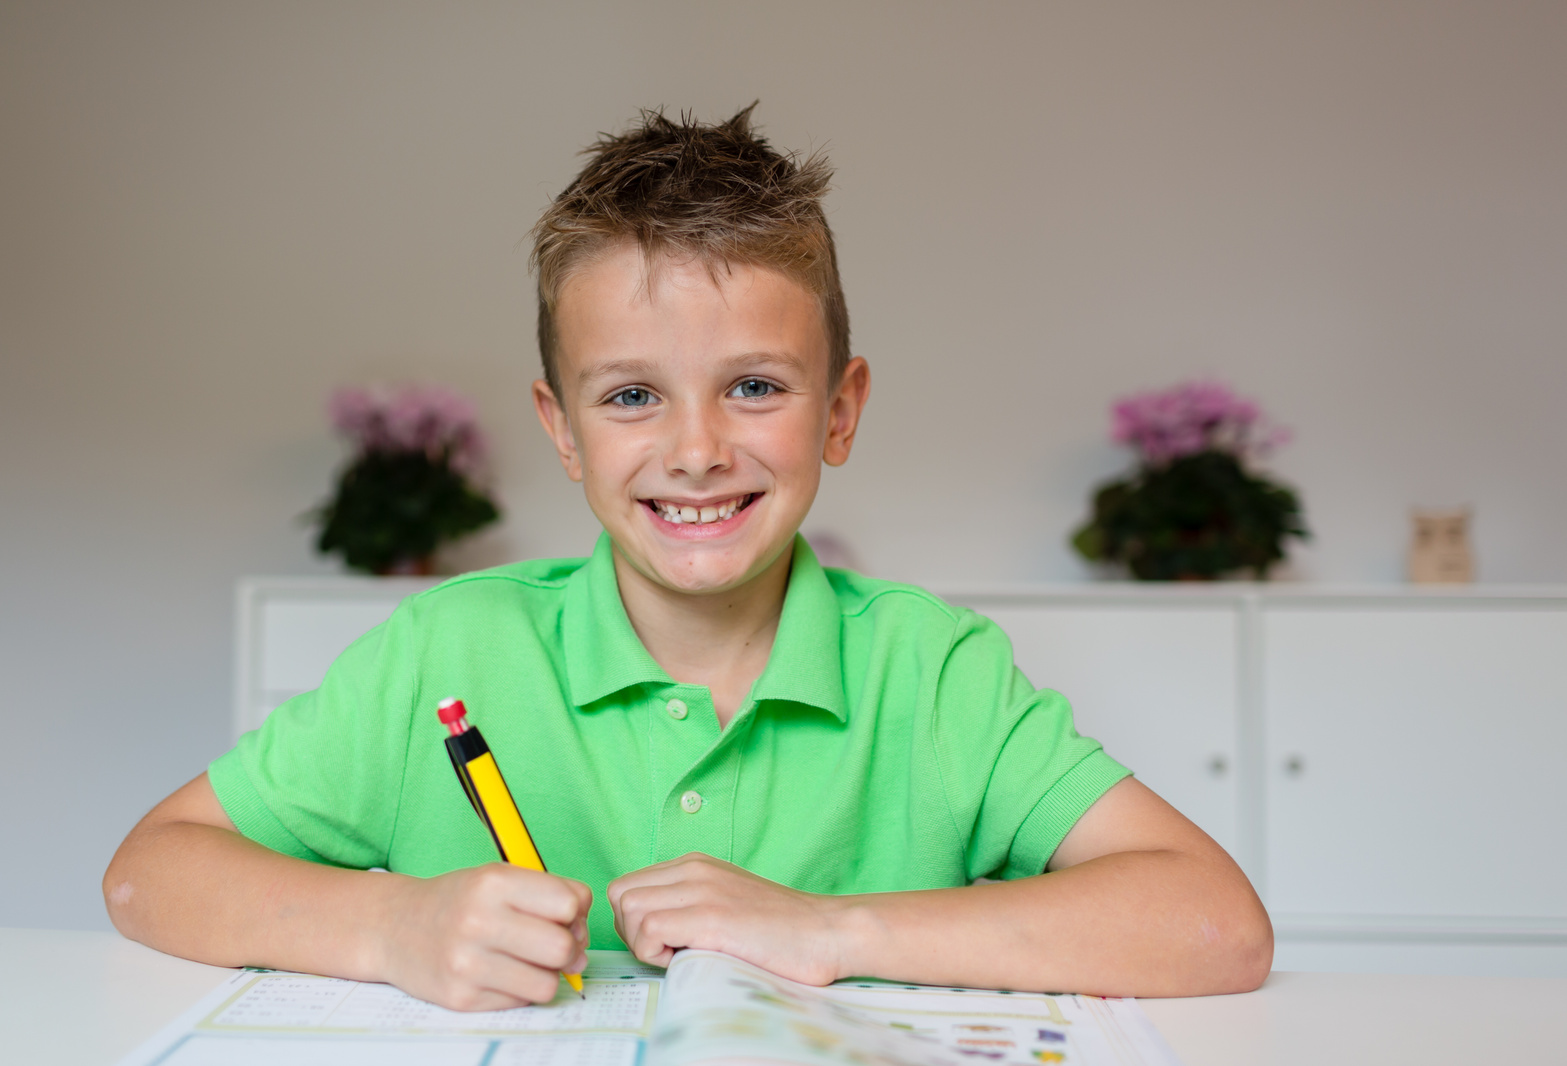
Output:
x=260 y=1017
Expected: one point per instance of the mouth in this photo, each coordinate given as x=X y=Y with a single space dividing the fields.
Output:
x=678 y=514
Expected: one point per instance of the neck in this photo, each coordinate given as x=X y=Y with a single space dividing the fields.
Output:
x=719 y=640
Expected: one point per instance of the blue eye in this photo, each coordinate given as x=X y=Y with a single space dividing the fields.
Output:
x=632 y=397
x=753 y=389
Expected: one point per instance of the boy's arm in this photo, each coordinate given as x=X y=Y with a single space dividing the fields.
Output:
x=186 y=882
x=1139 y=902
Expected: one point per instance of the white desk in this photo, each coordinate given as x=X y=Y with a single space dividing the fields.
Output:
x=85 y=999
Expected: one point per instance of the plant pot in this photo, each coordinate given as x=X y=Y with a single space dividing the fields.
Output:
x=423 y=566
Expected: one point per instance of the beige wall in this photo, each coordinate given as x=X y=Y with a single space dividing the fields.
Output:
x=211 y=214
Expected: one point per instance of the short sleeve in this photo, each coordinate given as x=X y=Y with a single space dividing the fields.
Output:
x=1017 y=774
x=322 y=777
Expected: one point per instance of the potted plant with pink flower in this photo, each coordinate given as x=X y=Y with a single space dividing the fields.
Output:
x=411 y=484
x=1193 y=509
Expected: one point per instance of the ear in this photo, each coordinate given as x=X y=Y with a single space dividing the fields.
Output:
x=843 y=413
x=552 y=416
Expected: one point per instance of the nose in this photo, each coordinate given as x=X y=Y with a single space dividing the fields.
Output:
x=698 y=446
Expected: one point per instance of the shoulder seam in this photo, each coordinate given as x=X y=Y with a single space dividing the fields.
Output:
x=492 y=575
x=891 y=588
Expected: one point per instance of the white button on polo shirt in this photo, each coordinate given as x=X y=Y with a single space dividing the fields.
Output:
x=677 y=709
x=691 y=802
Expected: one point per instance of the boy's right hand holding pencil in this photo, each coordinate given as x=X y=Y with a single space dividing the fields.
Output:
x=485 y=938
x=481 y=938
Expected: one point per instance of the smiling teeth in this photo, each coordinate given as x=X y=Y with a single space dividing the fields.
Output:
x=673 y=512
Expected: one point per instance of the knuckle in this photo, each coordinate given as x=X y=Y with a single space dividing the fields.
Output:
x=479 y=885
x=540 y=987
x=461 y=963
x=562 y=898
x=562 y=948
x=469 y=925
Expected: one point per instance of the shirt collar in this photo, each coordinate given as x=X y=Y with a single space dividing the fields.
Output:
x=603 y=652
x=604 y=655
x=806 y=664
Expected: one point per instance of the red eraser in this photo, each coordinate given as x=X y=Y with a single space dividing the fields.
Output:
x=451 y=710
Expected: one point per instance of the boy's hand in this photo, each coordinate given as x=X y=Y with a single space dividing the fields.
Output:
x=697 y=901
x=485 y=938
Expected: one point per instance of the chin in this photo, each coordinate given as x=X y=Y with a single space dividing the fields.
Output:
x=700 y=580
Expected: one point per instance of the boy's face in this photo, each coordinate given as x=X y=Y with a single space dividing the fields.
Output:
x=696 y=414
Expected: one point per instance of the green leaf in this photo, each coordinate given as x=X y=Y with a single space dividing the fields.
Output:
x=394 y=506
x=1199 y=516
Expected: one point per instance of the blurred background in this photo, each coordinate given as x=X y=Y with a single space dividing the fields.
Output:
x=211 y=215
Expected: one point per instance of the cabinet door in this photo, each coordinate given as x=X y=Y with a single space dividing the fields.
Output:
x=1156 y=685
x=290 y=631
x=1415 y=759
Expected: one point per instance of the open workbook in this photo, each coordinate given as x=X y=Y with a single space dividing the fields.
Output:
x=707 y=1008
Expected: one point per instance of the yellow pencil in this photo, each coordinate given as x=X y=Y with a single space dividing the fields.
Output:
x=486 y=789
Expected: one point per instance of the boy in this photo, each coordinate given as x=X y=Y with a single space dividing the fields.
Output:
x=728 y=746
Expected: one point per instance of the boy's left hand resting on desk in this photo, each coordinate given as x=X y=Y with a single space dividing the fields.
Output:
x=1138 y=901
x=702 y=902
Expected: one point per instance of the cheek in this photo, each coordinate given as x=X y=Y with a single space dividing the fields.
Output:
x=608 y=460
x=793 y=446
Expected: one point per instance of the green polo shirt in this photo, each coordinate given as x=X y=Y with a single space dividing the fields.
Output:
x=889 y=744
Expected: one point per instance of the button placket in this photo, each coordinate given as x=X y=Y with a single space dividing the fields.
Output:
x=684 y=734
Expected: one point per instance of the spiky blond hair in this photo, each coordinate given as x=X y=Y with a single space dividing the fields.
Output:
x=719 y=194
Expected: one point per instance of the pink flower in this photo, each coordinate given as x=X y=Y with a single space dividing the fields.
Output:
x=352 y=412
x=1190 y=418
x=411 y=418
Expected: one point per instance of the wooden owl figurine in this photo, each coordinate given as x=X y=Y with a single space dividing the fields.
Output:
x=1440 y=553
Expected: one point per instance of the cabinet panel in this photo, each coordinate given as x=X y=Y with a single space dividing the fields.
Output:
x=1155 y=685
x=1414 y=759
x=300 y=638
x=290 y=630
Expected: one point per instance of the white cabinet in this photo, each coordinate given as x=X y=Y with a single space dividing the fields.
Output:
x=1414 y=782
x=288 y=631
x=1155 y=683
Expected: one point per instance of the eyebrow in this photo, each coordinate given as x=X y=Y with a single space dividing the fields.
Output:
x=615 y=367
x=645 y=367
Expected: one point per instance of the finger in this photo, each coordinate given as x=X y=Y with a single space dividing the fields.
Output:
x=579 y=933
x=636 y=904
x=505 y=976
x=490 y=980
x=584 y=894
x=648 y=875
x=534 y=940
x=557 y=899
x=661 y=933
x=692 y=866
